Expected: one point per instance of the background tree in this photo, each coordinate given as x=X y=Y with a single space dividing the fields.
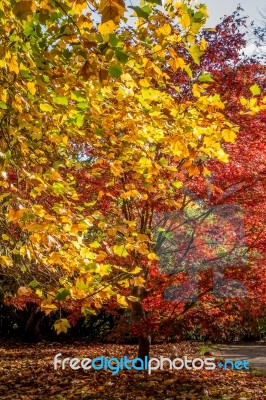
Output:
x=97 y=105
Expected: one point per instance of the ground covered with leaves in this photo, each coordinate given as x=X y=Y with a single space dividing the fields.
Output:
x=27 y=373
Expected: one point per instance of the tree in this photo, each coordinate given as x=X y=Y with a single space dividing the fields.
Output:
x=239 y=182
x=97 y=105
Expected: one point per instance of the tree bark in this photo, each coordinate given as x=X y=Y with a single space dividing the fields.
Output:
x=33 y=318
x=140 y=317
x=144 y=347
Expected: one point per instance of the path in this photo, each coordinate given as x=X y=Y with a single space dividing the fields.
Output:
x=255 y=353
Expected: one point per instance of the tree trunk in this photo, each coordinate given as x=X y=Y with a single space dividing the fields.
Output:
x=33 y=318
x=140 y=317
x=144 y=347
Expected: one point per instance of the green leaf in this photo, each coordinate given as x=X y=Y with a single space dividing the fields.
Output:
x=27 y=216
x=140 y=12
x=115 y=71
x=163 y=161
x=46 y=78
x=83 y=106
x=90 y=204
x=46 y=107
x=121 y=56
x=3 y=105
x=62 y=100
x=177 y=184
x=159 y=2
x=98 y=131
x=58 y=187
x=62 y=294
x=33 y=283
x=113 y=40
x=79 y=120
x=197 y=17
x=255 y=90
x=206 y=78
x=78 y=96
x=28 y=28
x=169 y=235
x=195 y=52
x=88 y=311
x=82 y=285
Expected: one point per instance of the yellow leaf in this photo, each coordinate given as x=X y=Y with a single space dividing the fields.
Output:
x=179 y=4
x=222 y=156
x=55 y=176
x=122 y=301
x=95 y=245
x=203 y=45
x=145 y=163
x=142 y=248
x=196 y=90
x=206 y=172
x=46 y=107
x=185 y=20
x=15 y=215
x=84 y=22
x=136 y=270
x=130 y=193
x=143 y=237
x=165 y=30
x=177 y=184
x=133 y=298
x=61 y=325
x=152 y=256
x=5 y=260
x=116 y=168
x=120 y=251
x=86 y=253
x=144 y=82
x=78 y=6
x=31 y=87
x=47 y=306
x=137 y=281
x=13 y=65
x=38 y=210
x=229 y=136
x=107 y=27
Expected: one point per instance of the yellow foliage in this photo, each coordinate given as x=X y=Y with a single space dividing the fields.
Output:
x=61 y=325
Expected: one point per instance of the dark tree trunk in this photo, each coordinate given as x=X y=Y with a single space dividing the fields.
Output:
x=140 y=317
x=144 y=347
x=33 y=318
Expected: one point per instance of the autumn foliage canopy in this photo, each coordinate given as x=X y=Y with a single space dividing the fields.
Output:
x=105 y=124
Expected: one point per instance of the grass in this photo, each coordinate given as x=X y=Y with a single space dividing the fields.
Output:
x=258 y=372
x=206 y=350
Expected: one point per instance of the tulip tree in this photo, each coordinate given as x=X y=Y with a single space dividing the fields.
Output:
x=94 y=137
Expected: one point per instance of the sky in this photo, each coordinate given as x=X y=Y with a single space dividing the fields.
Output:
x=219 y=8
x=252 y=8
